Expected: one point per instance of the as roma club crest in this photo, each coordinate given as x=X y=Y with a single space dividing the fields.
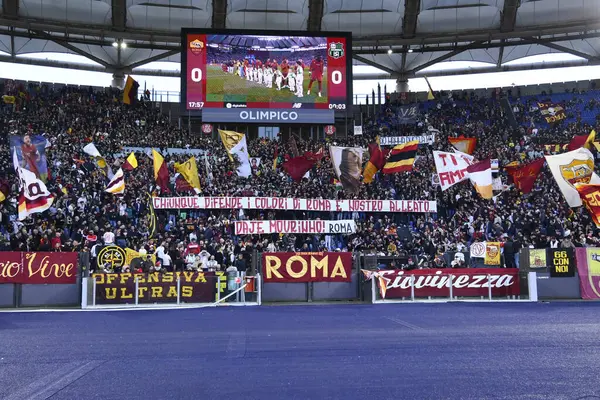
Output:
x=577 y=171
x=196 y=46
x=336 y=50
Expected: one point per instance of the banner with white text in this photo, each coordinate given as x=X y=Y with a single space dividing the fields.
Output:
x=282 y=203
x=344 y=226
x=396 y=140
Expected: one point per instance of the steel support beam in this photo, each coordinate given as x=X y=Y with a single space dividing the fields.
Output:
x=82 y=67
x=219 y=14
x=509 y=15
x=444 y=57
x=500 y=55
x=315 y=15
x=152 y=59
x=411 y=14
x=10 y=8
x=564 y=49
x=376 y=65
x=74 y=49
x=493 y=68
x=119 y=15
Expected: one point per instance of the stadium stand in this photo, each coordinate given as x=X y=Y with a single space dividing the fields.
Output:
x=85 y=215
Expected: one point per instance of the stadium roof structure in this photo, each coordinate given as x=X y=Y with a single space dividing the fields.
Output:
x=400 y=38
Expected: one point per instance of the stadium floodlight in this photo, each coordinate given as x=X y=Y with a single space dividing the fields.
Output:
x=123 y=45
x=115 y=44
x=410 y=50
x=390 y=51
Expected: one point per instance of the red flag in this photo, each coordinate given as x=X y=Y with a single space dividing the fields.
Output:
x=181 y=185
x=297 y=167
x=524 y=176
x=579 y=141
x=590 y=197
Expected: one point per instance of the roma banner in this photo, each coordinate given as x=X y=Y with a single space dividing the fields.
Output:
x=452 y=167
x=590 y=197
x=195 y=287
x=552 y=112
x=466 y=282
x=537 y=258
x=307 y=267
x=396 y=140
x=283 y=203
x=561 y=262
x=345 y=226
x=38 y=268
x=588 y=268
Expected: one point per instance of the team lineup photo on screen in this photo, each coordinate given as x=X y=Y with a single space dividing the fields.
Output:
x=267 y=69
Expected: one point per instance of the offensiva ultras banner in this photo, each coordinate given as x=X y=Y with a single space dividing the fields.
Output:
x=471 y=282
x=307 y=267
x=195 y=287
x=40 y=268
x=282 y=203
x=345 y=226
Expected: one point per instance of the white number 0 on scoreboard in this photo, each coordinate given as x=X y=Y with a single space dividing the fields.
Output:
x=336 y=77
x=197 y=74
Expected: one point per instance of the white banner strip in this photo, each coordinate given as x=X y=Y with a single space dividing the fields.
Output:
x=282 y=203
x=344 y=226
x=396 y=140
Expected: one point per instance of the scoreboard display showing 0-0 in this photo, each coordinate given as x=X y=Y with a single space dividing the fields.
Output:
x=279 y=77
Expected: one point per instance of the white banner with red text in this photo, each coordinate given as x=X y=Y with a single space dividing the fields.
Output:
x=344 y=226
x=282 y=203
x=451 y=167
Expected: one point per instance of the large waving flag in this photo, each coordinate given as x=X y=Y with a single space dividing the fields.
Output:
x=571 y=169
x=189 y=171
x=230 y=139
x=240 y=150
x=401 y=158
x=161 y=173
x=463 y=144
x=480 y=175
x=91 y=150
x=590 y=197
x=117 y=183
x=524 y=176
x=34 y=196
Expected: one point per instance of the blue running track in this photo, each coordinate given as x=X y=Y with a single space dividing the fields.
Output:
x=414 y=351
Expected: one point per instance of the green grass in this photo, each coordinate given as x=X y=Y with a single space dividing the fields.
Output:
x=225 y=87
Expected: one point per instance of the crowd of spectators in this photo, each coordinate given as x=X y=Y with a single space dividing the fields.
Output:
x=84 y=217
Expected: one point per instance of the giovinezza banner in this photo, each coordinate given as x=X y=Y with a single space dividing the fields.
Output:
x=396 y=140
x=283 y=203
x=466 y=282
x=195 y=287
x=588 y=268
x=307 y=267
x=295 y=226
x=38 y=268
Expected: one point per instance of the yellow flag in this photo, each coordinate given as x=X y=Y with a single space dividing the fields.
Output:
x=492 y=253
x=132 y=161
x=430 y=95
x=590 y=140
x=189 y=171
x=230 y=139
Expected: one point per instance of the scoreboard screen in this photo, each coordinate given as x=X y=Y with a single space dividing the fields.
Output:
x=279 y=77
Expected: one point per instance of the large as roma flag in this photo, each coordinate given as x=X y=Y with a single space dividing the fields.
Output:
x=161 y=173
x=571 y=169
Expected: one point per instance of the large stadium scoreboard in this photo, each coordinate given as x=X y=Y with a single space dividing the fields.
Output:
x=279 y=77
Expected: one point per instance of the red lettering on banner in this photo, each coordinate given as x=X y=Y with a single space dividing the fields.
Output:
x=451 y=177
x=296 y=203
